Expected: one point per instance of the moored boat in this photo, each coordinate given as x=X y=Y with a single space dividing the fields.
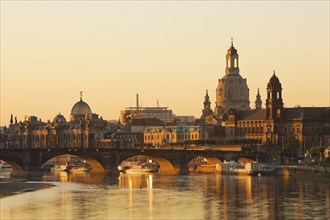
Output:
x=5 y=167
x=79 y=167
x=138 y=167
x=236 y=168
x=5 y=170
x=59 y=167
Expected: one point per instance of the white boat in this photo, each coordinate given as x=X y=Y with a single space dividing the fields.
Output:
x=138 y=167
x=5 y=170
x=243 y=168
x=59 y=167
x=4 y=167
x=79 y=168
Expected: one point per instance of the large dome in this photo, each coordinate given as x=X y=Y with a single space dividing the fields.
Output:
x=81 y=108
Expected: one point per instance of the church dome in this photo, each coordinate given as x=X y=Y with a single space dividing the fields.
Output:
x=59 y=119
x=81 y=108
x=274 y=81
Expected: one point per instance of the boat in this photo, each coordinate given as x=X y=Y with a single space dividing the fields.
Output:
x=137 y=167
x=5 y=170
x=244 y=168
x=79 y=167
x=4 y=167
x=59 y=167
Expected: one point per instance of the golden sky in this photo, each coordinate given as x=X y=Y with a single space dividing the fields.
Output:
x=167 y=51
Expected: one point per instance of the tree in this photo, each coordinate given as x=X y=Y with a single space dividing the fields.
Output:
x=315 y=151
x=290 y=144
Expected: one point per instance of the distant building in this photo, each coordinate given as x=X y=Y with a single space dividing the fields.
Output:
x=184 y=119
x=141 y=124
x=161 y=136
x=162 y=113
x=83 y=130
x=274 y=125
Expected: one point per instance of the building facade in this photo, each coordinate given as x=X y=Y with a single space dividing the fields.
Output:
x=274 y=125
x=173 y=135
x=85 y=129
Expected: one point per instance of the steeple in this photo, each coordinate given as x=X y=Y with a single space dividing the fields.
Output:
x=258 y=101
x=207 y=106
x=232 y=60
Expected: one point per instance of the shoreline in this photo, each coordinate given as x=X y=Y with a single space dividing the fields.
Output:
x=9 y=187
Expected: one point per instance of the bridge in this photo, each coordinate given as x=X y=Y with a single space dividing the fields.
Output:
x=28 y=161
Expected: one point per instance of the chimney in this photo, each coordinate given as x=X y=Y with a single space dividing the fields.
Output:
x=137 y=101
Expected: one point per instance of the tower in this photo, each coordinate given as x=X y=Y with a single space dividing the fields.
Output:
x=232 y=91
x=207 y=106
x=274 y=102
x=258 y=101
x=232 y=60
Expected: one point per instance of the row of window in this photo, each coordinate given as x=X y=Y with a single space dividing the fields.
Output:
x=179 y=137
x=250 y=124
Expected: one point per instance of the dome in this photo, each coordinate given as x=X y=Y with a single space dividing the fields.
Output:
x=274 y=81
x=81 y=108
x=232 y=92
x=59 y=119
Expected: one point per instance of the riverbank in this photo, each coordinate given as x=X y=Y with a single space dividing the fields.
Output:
x=10 y=187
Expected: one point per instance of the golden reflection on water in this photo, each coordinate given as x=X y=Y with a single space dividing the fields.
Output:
x=148 y=196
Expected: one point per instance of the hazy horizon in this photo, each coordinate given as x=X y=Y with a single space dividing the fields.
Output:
x=166 y=51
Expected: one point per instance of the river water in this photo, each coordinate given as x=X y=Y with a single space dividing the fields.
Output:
x=153 y=196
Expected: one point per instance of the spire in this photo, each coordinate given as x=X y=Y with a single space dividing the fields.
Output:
x=258 y=101
x=81 y=92
x=207 y=106
x=232 y=40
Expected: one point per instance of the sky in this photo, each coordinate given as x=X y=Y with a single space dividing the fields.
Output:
x=170 y=51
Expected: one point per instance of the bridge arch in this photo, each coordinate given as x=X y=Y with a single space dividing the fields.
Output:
x=246 y=160
x=18 y=169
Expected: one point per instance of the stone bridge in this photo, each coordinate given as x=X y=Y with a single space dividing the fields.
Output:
x=28 y=162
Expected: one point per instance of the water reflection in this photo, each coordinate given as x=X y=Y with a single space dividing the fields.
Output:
x=148 y=196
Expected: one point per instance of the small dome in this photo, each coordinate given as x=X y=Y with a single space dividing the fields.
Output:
x=232 y=51
x=59 y=119
x=274 y=81
x=81 y=108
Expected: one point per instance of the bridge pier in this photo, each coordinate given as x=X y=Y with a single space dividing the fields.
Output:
x=34 y=173
x=183 y=170
x=113 y=171
x=182 y=164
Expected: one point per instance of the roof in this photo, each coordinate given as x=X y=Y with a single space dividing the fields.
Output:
x=146 y=122
x=307 y=113
x=176 y=128
x=255 y=114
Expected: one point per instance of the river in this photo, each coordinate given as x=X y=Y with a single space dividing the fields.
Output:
x=153 y=196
